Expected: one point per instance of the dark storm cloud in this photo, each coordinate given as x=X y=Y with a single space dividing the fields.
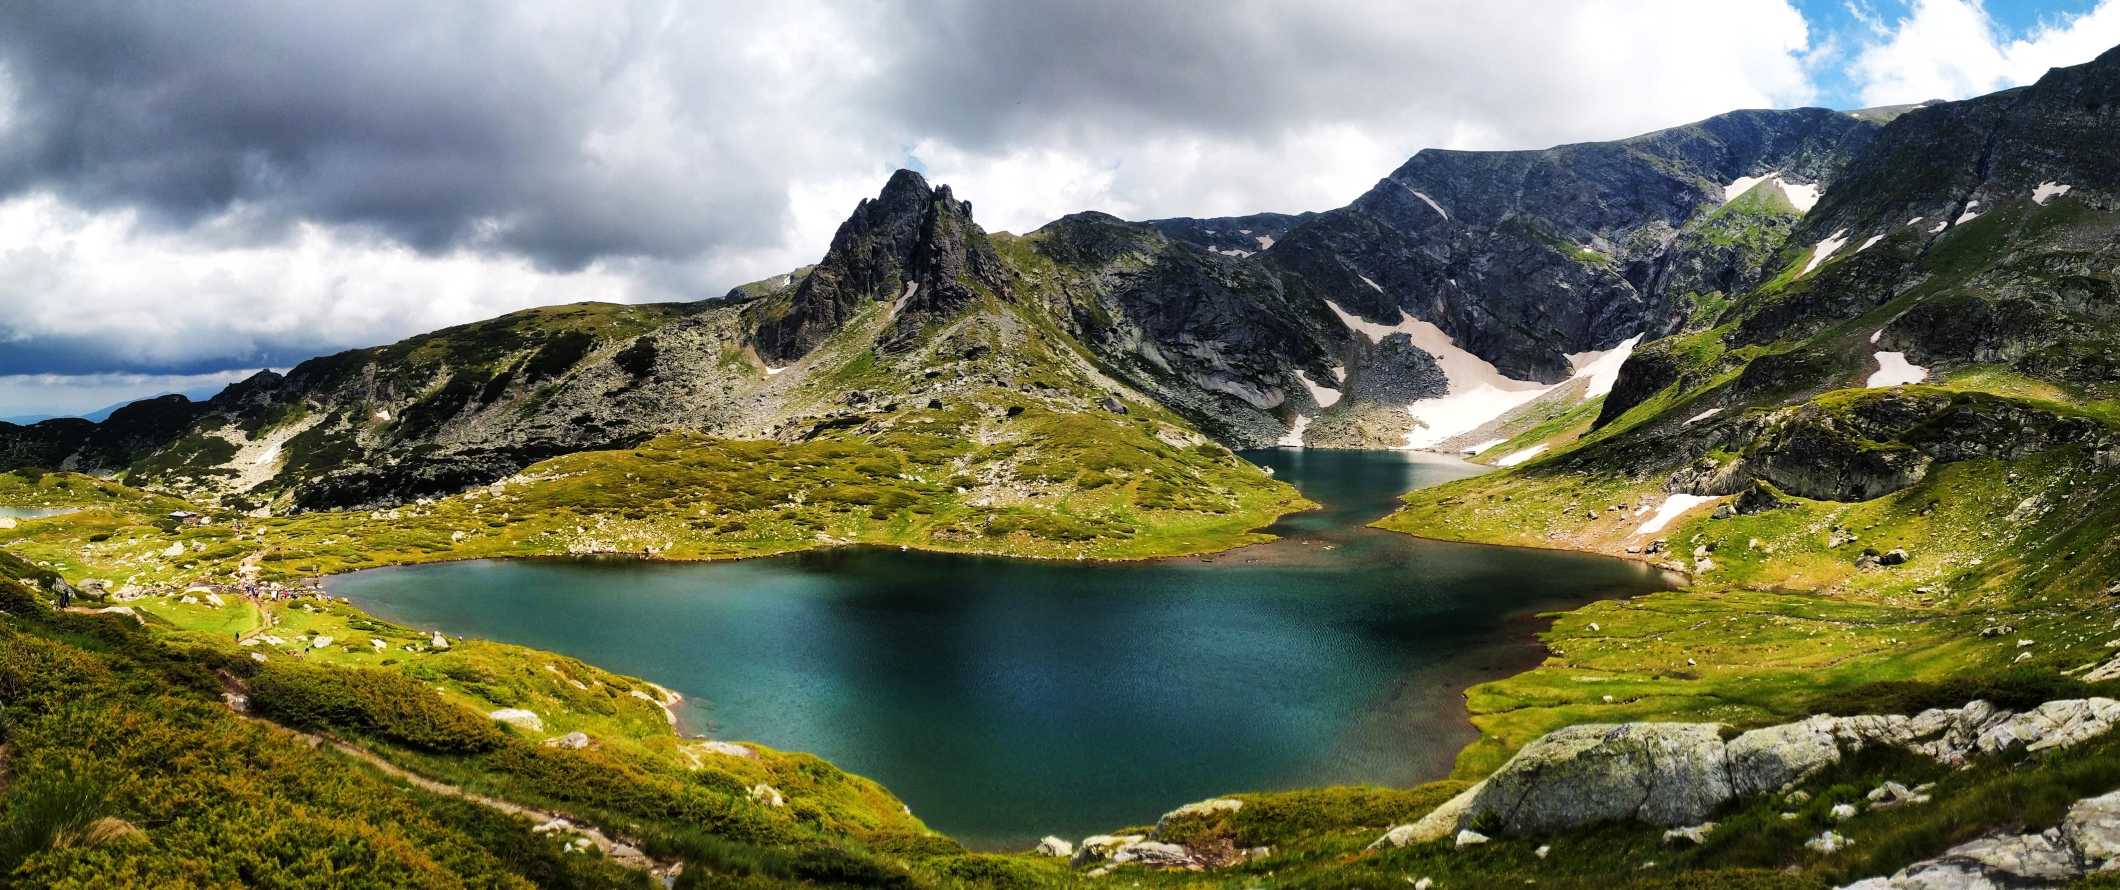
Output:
x=207 y=185
x=441 y=125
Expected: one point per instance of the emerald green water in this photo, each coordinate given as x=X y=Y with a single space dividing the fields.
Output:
x=1007 y=699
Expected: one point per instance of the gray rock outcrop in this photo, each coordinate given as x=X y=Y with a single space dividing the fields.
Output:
x=1677 y=774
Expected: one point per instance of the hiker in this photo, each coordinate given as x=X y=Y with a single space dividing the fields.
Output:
x=66 y=597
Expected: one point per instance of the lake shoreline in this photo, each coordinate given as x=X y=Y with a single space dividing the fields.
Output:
x=1400 y=705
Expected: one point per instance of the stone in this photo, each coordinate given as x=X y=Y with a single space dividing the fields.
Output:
x=1695 y=834
x=173 y=551
x=437 y=642
x=1153 y=853
x=576 y=740
x=1828 y=842
x=2056 y=724
x=1772 y=757
x=1438 y=824
x=2092 y=827
x=320 y=642
x=1425 y=883
x=1892 y=794
x=768 y=795
x=1893 y=557
x=1052 y=846
x=521 y=718
x=2031 y=859
x=1542 y=851
x=1668 y=774
x=1099 y=847
x=1466 y=837
x=1842 y=812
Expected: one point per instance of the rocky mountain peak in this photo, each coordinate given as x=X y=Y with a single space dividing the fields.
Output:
x=914 y=246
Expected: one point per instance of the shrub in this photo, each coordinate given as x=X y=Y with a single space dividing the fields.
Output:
x=383 y=704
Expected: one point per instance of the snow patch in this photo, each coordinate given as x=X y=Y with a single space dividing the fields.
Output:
x=1914 y=220
x=1372 y=285
x=1704 y=415
x=1265 y=241
x=1893 y=369
x=1432 y=205
x=1743 y=184
x=1478 y=392
x=271 y=453
x=1825 y=249
x=770 y=370
x=1520 y=456
x=1231 y=252
x=1874 y=336
x=1941 y=224
x=1602 y=367
x=1294 y=438
x=1873 y=240
x=1483 y=446
x=1325 y=397
x=2048 y=191
x=1969 y=214
x=1803 y=195
x=1670 y=509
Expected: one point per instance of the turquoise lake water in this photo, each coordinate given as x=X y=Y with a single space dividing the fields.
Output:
x=1007 y=699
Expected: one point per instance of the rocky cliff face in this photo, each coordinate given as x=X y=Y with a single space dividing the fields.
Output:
x=1526 y=256
x=1223 y=340
x=913 y=246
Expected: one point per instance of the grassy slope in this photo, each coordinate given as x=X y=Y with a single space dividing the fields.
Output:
x=1778 y=615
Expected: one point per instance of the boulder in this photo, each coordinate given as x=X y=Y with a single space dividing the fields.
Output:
x=1052 y=846
x=437 y=642
x=2056 y=724
x=1662 y=773
x=2092 y=827
x=1153 y=853
x=576 y=740
x=1099 y=847
x=768 y=795
x=521 y=718
x=1694 y=834
x=1763 y=760
x=1438 y=824
x=2024 y=860
x=1466 y=837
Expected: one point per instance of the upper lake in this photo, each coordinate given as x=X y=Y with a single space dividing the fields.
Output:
x=1005 y=699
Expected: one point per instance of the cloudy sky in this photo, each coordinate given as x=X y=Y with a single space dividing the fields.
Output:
x=190 y=191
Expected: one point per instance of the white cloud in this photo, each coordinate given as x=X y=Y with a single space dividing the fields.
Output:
x=1953 y=49
x=160 y=298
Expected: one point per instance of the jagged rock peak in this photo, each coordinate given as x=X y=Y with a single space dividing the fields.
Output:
x=914 y=245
